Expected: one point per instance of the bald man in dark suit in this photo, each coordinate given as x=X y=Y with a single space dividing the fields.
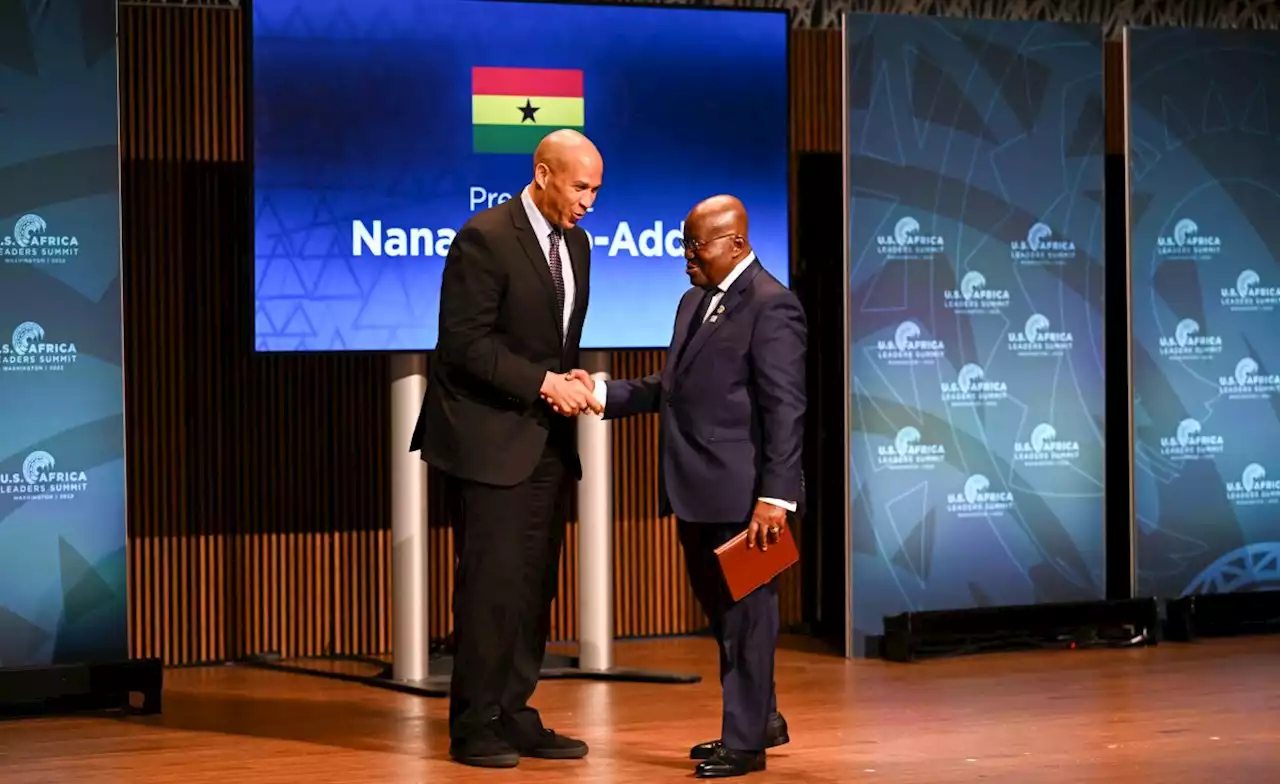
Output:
x=732 y=403
x=512 y=304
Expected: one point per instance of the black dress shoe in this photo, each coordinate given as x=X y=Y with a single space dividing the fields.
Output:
x=775 y=735
x=550 y=745
x=483 y=749
x=726 y=763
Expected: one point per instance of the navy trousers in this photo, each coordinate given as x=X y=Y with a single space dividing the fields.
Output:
x=746 y=631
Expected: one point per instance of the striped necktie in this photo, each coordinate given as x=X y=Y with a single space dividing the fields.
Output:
x=557 y=272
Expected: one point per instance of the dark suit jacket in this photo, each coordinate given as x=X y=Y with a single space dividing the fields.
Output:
x=482 y=417
x=732 y=405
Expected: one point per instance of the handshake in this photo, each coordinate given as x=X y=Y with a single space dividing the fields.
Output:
x=570 y=393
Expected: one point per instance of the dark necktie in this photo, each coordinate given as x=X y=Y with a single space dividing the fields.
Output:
x=557 y=273
x=698 y=320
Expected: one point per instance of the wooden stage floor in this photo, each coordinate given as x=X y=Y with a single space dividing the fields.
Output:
x=1204 y=712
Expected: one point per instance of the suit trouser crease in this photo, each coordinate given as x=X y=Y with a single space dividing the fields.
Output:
x=746 y=633
x=507 y=543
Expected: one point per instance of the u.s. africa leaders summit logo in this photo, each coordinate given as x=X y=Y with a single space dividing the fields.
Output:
x=512 y=109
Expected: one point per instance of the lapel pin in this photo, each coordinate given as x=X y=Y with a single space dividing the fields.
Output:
x=720 y=310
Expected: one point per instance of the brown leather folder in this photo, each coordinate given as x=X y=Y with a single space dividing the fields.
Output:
x=747 y=568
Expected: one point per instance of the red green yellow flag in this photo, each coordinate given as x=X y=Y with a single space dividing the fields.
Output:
x=513 y=108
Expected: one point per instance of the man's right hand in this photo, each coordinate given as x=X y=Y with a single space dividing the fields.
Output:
x=567 y=394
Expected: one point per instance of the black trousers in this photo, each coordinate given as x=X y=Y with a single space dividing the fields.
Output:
x=746 y=632
x=507 y=543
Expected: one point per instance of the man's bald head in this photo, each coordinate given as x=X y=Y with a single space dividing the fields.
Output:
x=567 y=173
x=719 y=214
x=560 y=147
x=716 y=239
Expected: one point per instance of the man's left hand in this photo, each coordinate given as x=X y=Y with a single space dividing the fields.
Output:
x=767 y=522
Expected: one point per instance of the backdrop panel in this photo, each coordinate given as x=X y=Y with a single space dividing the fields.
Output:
x=1204 y=170
x=975 y=171
x=62 y=505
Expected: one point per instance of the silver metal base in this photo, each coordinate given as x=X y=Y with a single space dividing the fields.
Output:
x=433 y=685
x=568 y=668
x=436 y=684
x=561 y=666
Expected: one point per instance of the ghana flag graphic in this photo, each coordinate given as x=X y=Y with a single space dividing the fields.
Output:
x=513 y=108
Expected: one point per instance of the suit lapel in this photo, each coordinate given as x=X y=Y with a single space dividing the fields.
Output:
x=731 y=299
x=578 y=259
x=684 y=321
x=533 y=249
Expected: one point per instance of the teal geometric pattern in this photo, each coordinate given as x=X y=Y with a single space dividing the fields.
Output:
x=62 y=504
x=79 y=617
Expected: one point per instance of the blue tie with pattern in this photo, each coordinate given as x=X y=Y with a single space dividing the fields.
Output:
x=557 y=273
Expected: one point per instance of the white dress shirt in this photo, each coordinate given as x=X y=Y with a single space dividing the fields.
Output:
x=723 y=288
x=542 y=230
x=601 y=388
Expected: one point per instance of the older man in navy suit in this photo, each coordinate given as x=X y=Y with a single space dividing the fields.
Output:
x=732 y=405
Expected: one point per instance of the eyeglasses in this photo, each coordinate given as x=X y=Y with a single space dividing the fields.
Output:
x=694 y=245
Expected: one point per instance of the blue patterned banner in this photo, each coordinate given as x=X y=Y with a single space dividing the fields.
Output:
x=975 y=176
x=1204 y=165
x=62 y=496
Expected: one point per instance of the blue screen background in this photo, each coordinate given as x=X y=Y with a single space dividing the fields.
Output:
x=362 y=112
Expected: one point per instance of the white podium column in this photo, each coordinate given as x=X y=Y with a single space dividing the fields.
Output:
x=595 y=533
x=410 y=631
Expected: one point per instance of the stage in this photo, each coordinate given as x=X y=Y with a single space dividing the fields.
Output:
x=1173 y=713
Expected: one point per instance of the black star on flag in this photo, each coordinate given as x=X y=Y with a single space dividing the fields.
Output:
x=527 y=111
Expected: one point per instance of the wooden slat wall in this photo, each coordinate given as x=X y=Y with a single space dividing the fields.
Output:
x=816 y=84
x=257 y=484
x=1113 y=95
x=258 y=519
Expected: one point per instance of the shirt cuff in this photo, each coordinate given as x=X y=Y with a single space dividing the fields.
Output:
x=789 y=506
x=601 y=391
